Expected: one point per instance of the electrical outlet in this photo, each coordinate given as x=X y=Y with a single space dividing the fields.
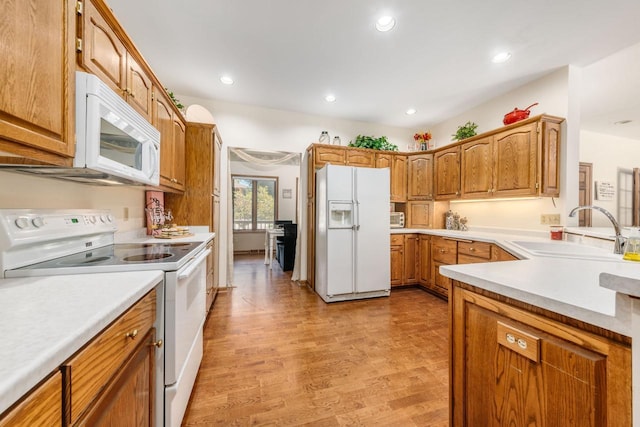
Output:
x=550 y=219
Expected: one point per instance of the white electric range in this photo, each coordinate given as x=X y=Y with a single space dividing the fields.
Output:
x=36 y=242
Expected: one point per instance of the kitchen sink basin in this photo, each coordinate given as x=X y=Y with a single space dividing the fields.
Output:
x=566 y=249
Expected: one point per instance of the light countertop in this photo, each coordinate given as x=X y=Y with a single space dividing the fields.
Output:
x=45 y=320
x=583 y=289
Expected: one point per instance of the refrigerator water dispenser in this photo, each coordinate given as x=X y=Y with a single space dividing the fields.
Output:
x=340 y=214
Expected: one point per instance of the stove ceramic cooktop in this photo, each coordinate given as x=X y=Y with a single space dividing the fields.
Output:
x=117 y=257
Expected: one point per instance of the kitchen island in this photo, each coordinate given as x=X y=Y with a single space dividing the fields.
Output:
x=541 y=338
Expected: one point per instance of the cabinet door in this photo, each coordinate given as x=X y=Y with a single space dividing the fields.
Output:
x=360 y=158
x=311 y=242
x=549 y=131
x=398 y=178
x=163 y=121
x=512 y=367
x=515 y=153
x=41 y=407
x=332 y=155
x=420 y=177
x=439 y=283
x=447 y=173
x=179 y=165
x=103 y=54
x=476 y=176
x=139 y=89
x=411 y=259
x=397 y=264
x=499 y=254
x=37 y=106
x=419 y=214
x=425 y=259
x=129 y=398
x=217 y=147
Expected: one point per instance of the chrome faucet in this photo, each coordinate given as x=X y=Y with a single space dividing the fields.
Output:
x=619 y=244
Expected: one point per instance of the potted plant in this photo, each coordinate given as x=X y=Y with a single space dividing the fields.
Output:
x=363 y=141
x=465 y=131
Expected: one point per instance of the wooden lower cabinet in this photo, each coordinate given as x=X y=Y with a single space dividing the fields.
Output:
x=512 y=367
x=443 y=252
x=424 y=254
x=411 y=259
x=41 y=407
x=111 y=380
x=397 y=258
x=128 y=400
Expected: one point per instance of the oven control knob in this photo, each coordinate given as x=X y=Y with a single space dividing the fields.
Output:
x=22 y=222
x=103 y=218
x=109 y=218
x=93 y=219
x=37 y=222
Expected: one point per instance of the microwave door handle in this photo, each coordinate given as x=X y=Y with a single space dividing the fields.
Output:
x=154 y=157
x=194 y=264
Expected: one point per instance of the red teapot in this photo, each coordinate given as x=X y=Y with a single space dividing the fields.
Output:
x=516 y=115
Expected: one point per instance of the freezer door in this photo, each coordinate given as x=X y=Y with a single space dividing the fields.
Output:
x=371 y=238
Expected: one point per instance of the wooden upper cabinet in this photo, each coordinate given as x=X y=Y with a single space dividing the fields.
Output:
x=476 y=177
x=515 y=153
x=360 y=158
x=104 y=54
x=172 y=142
x=37 y=106
x=420 y=177
x=324 y=154
x=549 y=132
x=139 y=89
x=419 y=214
x=217 y=148
x=397 y=164
x=447 y=173
x=398 y=178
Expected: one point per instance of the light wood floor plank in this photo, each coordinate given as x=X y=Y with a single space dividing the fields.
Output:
x=277 y=355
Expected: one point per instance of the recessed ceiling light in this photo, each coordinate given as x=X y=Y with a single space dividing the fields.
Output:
x=330 y=98
x=622 y=122
x=501 y=57
x=411 y=111
x=385 y=23
x=226 y=80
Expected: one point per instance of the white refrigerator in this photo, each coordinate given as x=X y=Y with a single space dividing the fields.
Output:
x=352 y=233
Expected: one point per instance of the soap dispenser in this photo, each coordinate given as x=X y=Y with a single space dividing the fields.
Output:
x=632 y=246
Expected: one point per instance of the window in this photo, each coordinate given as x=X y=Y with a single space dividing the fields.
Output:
x=254 y=202
x=629 y=197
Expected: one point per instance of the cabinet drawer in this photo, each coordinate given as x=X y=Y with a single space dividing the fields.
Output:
x=397 y=239
x=444 y=250
x=468 y=259
x=475 y=249
x=360 y=158
x=90 y=370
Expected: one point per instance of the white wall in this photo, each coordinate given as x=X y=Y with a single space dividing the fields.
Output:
x=287 y=175
x=552 y=92
x=20 y=191
x=608 y=153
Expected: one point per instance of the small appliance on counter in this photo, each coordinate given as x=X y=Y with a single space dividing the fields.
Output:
x=396 y=219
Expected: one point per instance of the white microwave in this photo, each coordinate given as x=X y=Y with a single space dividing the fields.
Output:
x=396 y=219
x=114 y=143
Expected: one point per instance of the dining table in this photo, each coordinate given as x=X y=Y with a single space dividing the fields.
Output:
x=269 y=242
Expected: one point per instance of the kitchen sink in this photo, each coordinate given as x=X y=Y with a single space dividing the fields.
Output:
x=566 y=249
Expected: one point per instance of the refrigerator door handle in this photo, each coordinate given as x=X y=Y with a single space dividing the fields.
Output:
x=356 y=225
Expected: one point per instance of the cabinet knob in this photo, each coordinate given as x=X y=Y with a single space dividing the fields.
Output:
x=472 y=249
x=522 y=343
x=441 y=251
x=157 y=344
x=132 y=334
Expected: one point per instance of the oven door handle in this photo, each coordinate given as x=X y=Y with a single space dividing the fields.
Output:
x=193 y=265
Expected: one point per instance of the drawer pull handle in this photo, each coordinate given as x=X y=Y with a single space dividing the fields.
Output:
x=157 y=343
x=522 y=343
x=511 y=339
x=441 y=251
x=472 y=249
x=132 y=334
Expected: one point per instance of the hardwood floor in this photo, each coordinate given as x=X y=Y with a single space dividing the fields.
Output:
x=276 y=354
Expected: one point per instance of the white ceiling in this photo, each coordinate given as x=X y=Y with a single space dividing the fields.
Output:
x=288 y=54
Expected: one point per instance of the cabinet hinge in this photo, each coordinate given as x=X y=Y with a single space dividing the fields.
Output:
x=79 y=7
x=537 y=185
x=79 y=45
x=538 y=127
